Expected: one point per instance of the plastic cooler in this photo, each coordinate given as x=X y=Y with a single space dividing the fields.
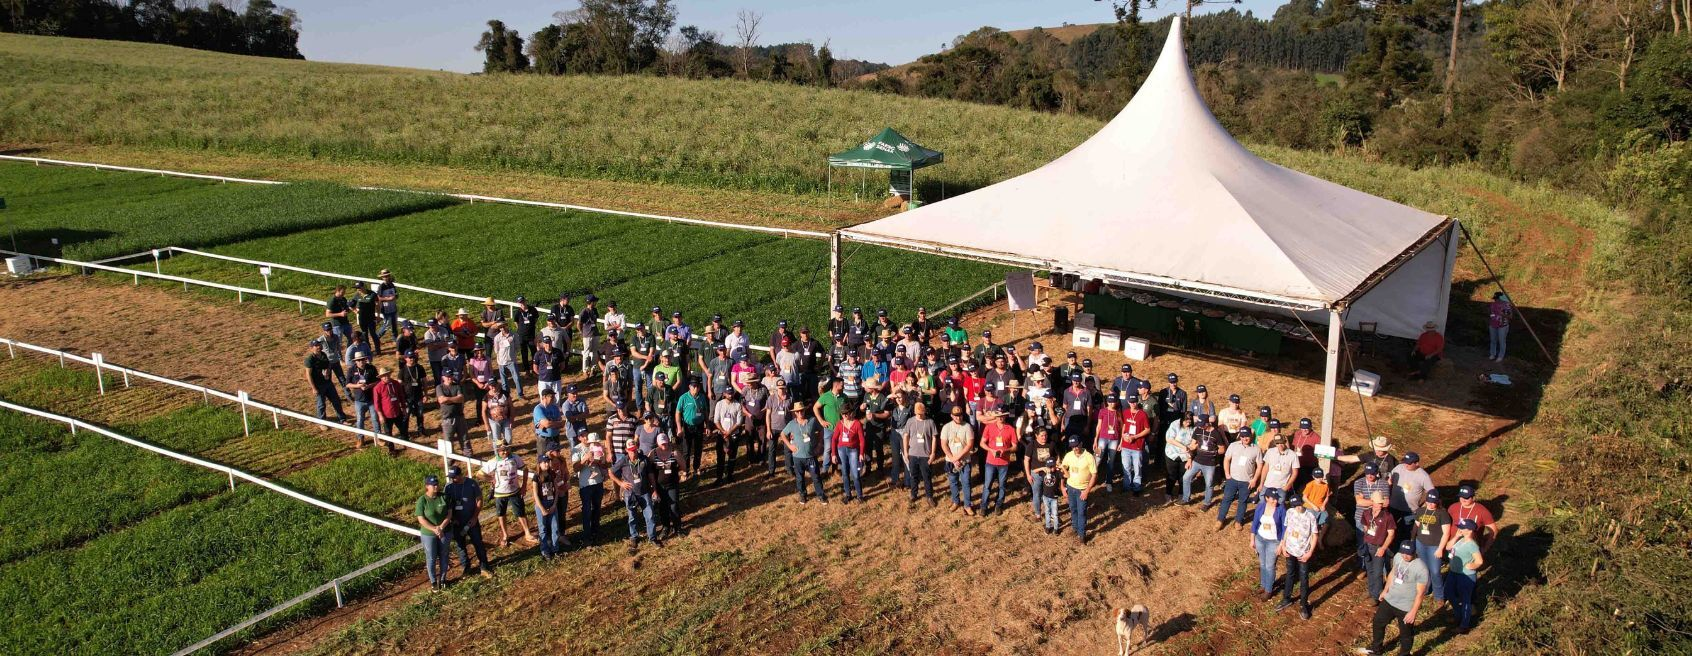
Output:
x=1136 y=348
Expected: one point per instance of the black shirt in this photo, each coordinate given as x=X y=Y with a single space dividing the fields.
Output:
x=639 y=473
x=338 y=305
x=666 y=471
x=526 y=317
x=1210 y=445
x=322 y=370
x=589 y=319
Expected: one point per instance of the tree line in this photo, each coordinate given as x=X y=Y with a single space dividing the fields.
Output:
x=620 y=37
x=260 y=28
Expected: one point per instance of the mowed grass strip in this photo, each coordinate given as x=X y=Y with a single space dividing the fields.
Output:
x=59 y=489
x=99 y=214
x=182 y=575
x=504 y=251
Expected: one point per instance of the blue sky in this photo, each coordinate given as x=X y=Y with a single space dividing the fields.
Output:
x=440 y=34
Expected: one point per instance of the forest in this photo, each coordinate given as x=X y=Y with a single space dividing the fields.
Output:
x=259 y=28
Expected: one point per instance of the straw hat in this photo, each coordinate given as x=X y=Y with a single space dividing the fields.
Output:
x=1381 y=443
x=463 y=312
x=489 y=301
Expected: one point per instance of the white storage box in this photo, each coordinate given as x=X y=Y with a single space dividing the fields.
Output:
x=18 y=266
x=1136 y=348
x=1085 y=337
x=1366 y=383
x=1110 y=339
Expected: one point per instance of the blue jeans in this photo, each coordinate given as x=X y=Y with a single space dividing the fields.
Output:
x=1077 y=511
x=957 y=479
x=1133 y=460
x=1048 y=512
x=466 y=537
x=825 y=465
x=1495 y=345
x=850 y=486
x=803 y=467
x=434 y=557
x=593 y=503
x=508 y=377
x=363 y=410
x=1036 y=494
x=1460 y=589
x=1436 y=582
x=1209 y=472
x=1266 y=555
x=1108 y=455
x=994 y=473
x=1232 y=489
x=638 y=378
x=330 y=398
x=640 y=507
x=551 y=529
x=499 y=431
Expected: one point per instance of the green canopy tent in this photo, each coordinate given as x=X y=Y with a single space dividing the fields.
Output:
x=888 y=150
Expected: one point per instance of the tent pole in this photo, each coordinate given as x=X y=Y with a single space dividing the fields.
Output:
x=1330 y=381
x=831 y=179
x=834 y=269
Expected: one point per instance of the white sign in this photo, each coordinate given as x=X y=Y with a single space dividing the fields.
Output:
x=264 y=271
x=1019 y=286
x=1326 y=451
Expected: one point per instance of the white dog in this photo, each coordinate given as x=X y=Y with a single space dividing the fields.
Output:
x=1127 y=619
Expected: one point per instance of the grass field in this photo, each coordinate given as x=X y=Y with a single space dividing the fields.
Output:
x=97 y=214
x=739 y=134
x=107 y=548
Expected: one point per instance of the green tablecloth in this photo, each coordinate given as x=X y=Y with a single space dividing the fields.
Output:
x=1191 y=330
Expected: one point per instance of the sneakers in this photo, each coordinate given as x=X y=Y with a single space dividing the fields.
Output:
x=1304 y=612
x=1283 y=605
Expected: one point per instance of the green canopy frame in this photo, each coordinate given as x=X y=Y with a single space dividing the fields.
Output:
x=887 y=150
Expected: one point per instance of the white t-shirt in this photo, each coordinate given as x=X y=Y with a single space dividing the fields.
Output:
x=507 y=474
x=1242 y=461
x=1281 y=466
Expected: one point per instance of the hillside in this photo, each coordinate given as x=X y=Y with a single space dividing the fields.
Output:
x=744 y=135
x=1065 y=34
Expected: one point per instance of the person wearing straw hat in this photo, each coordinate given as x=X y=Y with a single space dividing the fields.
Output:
x=433 y=521
x=1430 y=347
x=1379 y=454
x=389 y=398
x=387 y=301
x=465 y=498
x=464 y=331
x=319 y=370
x=999 y=443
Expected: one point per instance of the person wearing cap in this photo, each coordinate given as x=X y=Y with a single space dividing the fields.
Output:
x=1260 y=425
x=1401 y=602
x=921 y=328
x=1107 y=441
x=1299 y=537
x=850 y=373
x=1410 y=484
x=846 y=443
x=319 y=370
x=333 y=349
x=465 y=498
x=548 y=419
x=365 y=304
x=857 y=331
x=1429 y=348
x=827 y=409
x=553 y=333
x=1317 y=491
x=406 y=339
x=505 y=360
x=1430 y=529
x=336 y=310
x=957 y=441
x=433 y=522
x=661 y=404
x=496 y=414
x=1137 y=433
x=1280 y=465
x=781 y=333
x=361 y=382
x=505 y=473
x=810 y=356
x=718 y=370
x=954 y=333
x=1208 y=445
x=727 y=430
x=1467 y=507
x=1079 y=470
x=479 y=375
x=549 y=491
x=692 y=409
x=436 y=337
x=778 y=410
x=1363 y=490
x=667 y=483
x=1240 y=465
x=525 y=319
x=455 y=361
x=1040 y=466
x=575 y=411
x=449 y=395
x=999 y=443
x=1077 y=407
x=414 y=380
x=1178 y=445
x=876 y=415
x=634 y=474
x=917 y=439
x=564 y=315
x=1232 y=418
x=1071 y=366
x=643 y=356
x=667 y=379
x=1199 y=404
x=908 y=345
x=592 y=462
x=388 y=397
x=804 y=440
x=588 y=324
x=1268 y=526
x=680 y=335
x=1304 y=441
x=1466 y=561
x=1171 y=401
x=1376 y=538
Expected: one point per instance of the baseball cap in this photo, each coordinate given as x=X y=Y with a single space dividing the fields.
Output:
x=740 y=323
x=455 y=471
x=1243 y=432
x=431 y=480
x=881 y=313
x=1036 y=347
x=1466 y=524
x=1275 y=423
x=1201 y=388
x=1412 y=457
x=1234 y=398
x=1408 y=548
x=1204 y=419
x=1466 y=492
x=592 y=299
x=1294 y=500
x=1433 y=496
x=1070 y=354
x=411 y=355
x=1371 y=468
x=1074 y=442
x=1173 y=378
x=1262 y=411
x=619 y=404
x=327 y=325
x=716 y=317
x=839 y=308
x=857 y=310
x=952 y=321
x=663 y=439
x=658 y=376
x=570 y=389
x=675 y=315
x=522 y=299
x=547 y=392
x=1088 y=362
x=986 y=333
x=1304 y=423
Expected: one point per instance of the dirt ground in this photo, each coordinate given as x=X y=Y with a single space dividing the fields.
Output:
x=997 y=584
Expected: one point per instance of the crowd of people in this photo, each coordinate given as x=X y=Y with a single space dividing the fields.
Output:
x=907 y=402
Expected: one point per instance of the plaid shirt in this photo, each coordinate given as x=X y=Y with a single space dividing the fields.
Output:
x=1363 y=488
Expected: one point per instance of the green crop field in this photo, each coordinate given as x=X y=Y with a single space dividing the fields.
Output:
x=98 y=214
x=720 y=134
x=107 y=548
x=505 y=251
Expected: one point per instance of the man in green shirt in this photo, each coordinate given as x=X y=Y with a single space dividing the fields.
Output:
x=954 y=334
x=827 y=408
x=432 y=521
x=691 y=409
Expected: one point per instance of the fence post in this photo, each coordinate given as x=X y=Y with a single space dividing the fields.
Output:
x=239 y=297
x=126 y=379
x=99 y=372
x=275 y=420
x=245 y=428
x=444 y=447
x=61 y=359
x=10 y=351
x=302 y=306
x=205 y=395
x=338 y=602
x=156 y=262
x=231 y=474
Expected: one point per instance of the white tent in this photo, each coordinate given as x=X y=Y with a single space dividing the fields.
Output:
x=1164 y=198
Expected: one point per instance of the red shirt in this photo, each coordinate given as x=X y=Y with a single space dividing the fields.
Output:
x=1479 y=513
x=972 y=384
x=1135 y=421
x=389 y=398
x=998 y=440
x=1305 y=443
x=1430 y=344
x=1110 y=424
x=465 y=333
x=848 y=434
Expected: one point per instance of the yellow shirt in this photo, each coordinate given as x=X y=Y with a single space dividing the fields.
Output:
x=1081 y=467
